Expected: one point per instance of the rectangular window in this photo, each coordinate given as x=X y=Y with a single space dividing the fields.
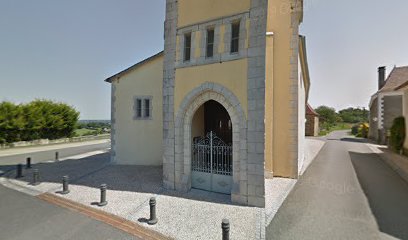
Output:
x=147 y=108
x=143 y=107
x=235 y=37
x=139 y=108
x=187 y=47
x=210 y=43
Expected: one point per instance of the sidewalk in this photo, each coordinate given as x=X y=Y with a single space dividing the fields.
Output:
x=193 y=215
x=399 y=163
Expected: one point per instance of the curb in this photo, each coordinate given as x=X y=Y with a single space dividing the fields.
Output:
x=396 y=168
x=115 y=221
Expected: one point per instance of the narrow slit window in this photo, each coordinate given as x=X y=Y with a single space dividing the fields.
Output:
x=187 y=47
x=138 y=108
x=210 y=43
x=147 y=108
x=235 y=37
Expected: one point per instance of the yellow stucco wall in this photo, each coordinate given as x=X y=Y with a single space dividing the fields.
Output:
x=195 y=11
x=139 y=142
x=279 y=22
x=232 y=74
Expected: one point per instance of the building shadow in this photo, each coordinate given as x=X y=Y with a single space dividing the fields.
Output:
x=386 y=191
x=357 y=140
x=96 y=170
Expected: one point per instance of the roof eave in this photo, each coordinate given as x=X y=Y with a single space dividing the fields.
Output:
x=121 y=73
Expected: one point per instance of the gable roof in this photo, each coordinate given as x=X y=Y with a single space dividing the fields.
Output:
x=403 y=75
x=310 y=110
x=397 y=77
x=118 y=75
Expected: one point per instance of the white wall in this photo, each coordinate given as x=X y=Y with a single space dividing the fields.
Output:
x=139 y=142
x=301 y=118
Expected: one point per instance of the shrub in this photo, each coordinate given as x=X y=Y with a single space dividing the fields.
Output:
x=354 y=129
x=35 y=120
x=363 y=130
x=397 y=137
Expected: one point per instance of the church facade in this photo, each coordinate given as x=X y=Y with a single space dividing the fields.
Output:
x=222 y=108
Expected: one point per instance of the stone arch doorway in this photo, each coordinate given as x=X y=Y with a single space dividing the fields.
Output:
x=183 y=138
x=211 y=151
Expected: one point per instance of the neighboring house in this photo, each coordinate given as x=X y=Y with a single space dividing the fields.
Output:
x=312 y=122
x=386 y=104
x=223 y=107
x=403 y=74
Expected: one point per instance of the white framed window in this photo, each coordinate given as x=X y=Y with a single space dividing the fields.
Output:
x=210 y=43
x=235 y=37
x=142 y=108
x=187 y=47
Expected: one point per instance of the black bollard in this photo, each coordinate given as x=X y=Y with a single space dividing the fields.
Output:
x=65 y=189
x=19 y=171
x=225 y=229
x=153 y=218
x=103 y=201
x=36 y=177
x=56 y=156
x=28 y=163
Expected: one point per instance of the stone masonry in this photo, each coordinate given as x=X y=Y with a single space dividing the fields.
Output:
x=170 y=30
x=256 y=103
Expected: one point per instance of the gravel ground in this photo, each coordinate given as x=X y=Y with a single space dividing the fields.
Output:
x=193 y=215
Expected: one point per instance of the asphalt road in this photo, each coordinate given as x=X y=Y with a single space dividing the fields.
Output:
x=10 y=157
x=26 y=217
x=347 y=193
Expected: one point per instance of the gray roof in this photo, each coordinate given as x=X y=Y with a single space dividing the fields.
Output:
x=397 y=77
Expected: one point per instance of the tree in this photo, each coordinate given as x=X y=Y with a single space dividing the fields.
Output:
x=35 y=120
x=354 y=115
x=328 y=116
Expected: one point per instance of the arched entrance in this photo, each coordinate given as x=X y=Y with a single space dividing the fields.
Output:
x=181 y=171
x=211 y=151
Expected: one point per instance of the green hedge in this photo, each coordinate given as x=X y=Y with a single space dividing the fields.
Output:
x=397 y=137
x=40 y=119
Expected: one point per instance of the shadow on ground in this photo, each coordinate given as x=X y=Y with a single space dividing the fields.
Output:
x=95 y=170
x=386 y=191
x=358 y=140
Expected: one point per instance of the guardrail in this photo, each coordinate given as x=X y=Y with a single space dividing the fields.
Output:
x=41 y=142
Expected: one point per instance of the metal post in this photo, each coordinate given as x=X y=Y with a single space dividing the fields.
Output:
x=19 y=171
x=28 y=163
x=103 y=201
x=65 y=189
x=225 y=229
x=36 y=177
x=56 y=156
x=153 y=218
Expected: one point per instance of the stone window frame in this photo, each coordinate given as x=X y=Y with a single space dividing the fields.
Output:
x=143 y=115
x=185 y=35
x=218 y=57
x=207 y=43
x=180 y=48
x=227 y=55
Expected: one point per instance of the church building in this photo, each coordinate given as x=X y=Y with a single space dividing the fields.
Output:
x=222 y=108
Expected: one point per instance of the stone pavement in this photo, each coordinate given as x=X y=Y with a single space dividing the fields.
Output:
x=193 y=215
